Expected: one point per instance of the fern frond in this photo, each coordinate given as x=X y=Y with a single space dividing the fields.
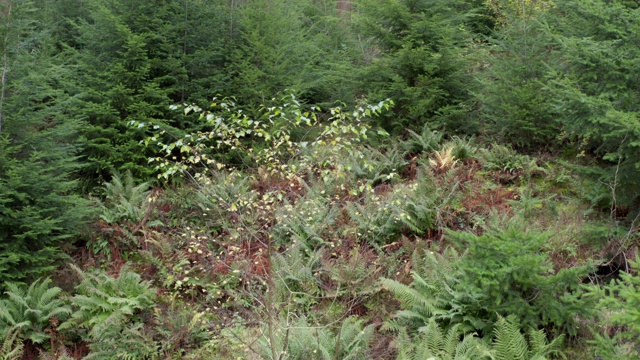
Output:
x=33 y=308
x=434 y=339
x=433 y=343
x=426 y=141
x=12 y=346
x=443 y=160
x=509 y=343
x=409 y=296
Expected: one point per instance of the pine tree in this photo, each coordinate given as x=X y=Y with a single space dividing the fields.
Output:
x=514 y=104
x=596 y=91
x=293 y=46
x=39 y=212
x=417 y=58
x=122 y=81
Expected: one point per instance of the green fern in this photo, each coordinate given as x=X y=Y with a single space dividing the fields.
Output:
x=354 y=275
x=309 y=221
x=57 y=354
x=462 y=148
x=427 y=141
x=434 y=294
x=504 y=158
x=510 y=344
x=375 y=220
x=414 y=208
x=373 y=165
x=294 y=273
x=180 y=329
x=433 y=343
x=125 y=201
x=227 y=192
x=302 y=341
x=133 y=342
x=106 y=304
x=33 y=309
x=12 y=346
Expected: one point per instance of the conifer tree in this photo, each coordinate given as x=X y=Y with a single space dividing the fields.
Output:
x=286 y=45
x=514 y=104
x=417 y=58
x=597 y=90
x=122 y=81
x=39 y=212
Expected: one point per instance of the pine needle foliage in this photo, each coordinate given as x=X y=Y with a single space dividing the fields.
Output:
x=422 y=69
x=611 y=348
x=595 y=90
x=33 y=309
x=512 y=95
x=514 y=274
x=620 y=299
x=40 y=210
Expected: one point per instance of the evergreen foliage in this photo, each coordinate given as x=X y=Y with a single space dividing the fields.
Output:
x=618 y=302
x=289 y=45
x=120 y=85
x=596 y=90
x=419 y=60
x=510 y=270
x=426 y=141
x=298 y=206
x=514 y=103
x=39 y=209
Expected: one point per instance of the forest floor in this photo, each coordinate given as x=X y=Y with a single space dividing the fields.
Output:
x=249 y=258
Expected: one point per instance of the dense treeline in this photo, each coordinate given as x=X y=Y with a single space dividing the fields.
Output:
x=287 y=129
